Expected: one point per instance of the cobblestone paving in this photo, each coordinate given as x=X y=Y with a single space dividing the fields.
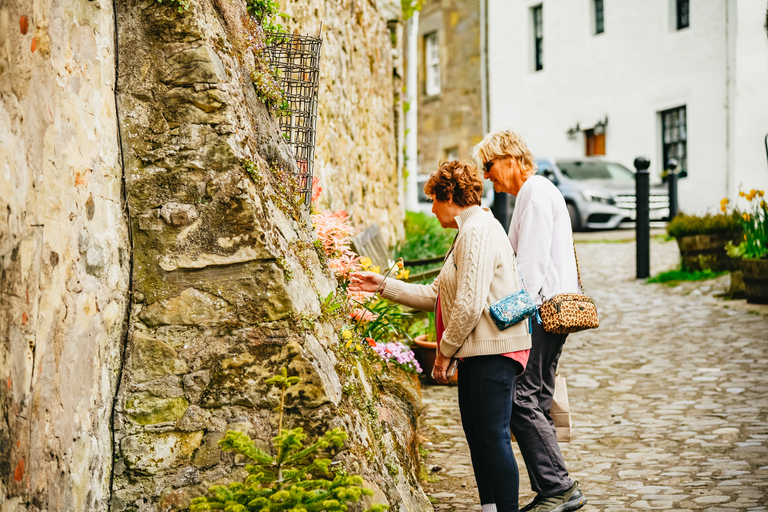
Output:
x=669 y=398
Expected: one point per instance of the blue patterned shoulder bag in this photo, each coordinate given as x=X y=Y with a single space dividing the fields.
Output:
x=514 y=308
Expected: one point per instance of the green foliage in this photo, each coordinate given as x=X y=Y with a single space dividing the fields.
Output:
x=181 y=5
x=424 y=238
x=293 y=480
x=674 y=277
x=709 y=224
x=267 y=13
x=410 y=7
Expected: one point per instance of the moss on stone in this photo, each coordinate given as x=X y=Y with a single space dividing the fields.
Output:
x=146 y=409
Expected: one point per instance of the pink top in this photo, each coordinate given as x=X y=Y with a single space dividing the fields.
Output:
x=521 y=356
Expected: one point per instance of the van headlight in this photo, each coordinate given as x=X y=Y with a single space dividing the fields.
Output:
x=596 y=196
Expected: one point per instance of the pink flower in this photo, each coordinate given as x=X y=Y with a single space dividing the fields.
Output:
x=316 y=189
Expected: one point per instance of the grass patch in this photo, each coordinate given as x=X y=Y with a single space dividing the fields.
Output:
x=675 y=277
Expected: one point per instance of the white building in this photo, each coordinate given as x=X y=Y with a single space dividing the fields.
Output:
x=617 y=77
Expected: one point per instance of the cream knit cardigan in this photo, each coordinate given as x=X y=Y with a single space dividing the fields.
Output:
x=479 y=270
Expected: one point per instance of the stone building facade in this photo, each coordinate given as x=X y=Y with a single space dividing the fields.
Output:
x=450 y=120
x=152 y=271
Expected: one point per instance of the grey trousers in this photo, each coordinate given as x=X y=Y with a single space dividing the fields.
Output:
x=530 y=421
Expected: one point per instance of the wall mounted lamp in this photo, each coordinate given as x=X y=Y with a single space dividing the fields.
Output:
x=573 y=132
x=600 y=126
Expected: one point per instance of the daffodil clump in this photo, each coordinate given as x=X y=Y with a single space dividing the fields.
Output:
x=754 y=224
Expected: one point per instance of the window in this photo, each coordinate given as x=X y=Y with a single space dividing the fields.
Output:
x=432 y=60
x=682 y=10
x=599 y=17
x=538 y=38
x=595 y=142
x=674 y=137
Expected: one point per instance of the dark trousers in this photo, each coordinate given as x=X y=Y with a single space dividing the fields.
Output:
x=486 y=391
x=530 y=420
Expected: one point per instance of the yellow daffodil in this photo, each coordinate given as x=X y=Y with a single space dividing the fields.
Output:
x=403 y=274
x=365 y=262
x=400 y=264
x=761 y=193
x=741 y=193
x=347 y=344
x=346 y=334
x=753 y=192
x=376 y=269
x=722 y=208
x=746 y=217
x=724 y=200
x=763 y=204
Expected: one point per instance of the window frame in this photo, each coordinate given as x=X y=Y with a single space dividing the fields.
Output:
x=537 y=31
x=598 y=13
x=432 y=75
x=678 y=138
x=682 y=14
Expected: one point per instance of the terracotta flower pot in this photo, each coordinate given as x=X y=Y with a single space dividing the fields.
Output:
x=755 y=274
x=426 y=353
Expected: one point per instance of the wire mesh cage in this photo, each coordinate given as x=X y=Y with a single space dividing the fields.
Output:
x=297 y=57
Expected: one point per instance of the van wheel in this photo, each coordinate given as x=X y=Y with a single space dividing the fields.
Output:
x=573 y=213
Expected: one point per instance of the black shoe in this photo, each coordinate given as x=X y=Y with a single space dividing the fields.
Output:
x=530 y=506
x=567 y=501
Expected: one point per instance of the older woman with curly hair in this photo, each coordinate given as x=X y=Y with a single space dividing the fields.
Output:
x=478 y=270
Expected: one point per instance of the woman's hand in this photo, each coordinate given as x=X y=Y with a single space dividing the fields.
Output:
x=365 y=282
x=440 y=368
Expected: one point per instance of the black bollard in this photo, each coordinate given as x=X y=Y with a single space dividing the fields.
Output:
x=642 y=217
x=672 y=176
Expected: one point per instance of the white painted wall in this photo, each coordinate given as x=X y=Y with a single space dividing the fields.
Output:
x=639 y=66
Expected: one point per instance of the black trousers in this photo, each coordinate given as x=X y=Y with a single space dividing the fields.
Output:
x=486 y=392
x=530 y=420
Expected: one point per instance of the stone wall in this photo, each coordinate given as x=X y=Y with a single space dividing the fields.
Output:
x=64 y=254
x=359 y=153
x=226 y=278
x=450 y=123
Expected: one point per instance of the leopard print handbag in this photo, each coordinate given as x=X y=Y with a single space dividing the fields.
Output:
x=569 y=312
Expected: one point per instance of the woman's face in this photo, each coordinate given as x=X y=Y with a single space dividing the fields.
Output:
x=446 y=212
x=505 y=174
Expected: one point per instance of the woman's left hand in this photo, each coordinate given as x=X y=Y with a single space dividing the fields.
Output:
x=440 y=368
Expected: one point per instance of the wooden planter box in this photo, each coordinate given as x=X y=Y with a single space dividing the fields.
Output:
x=755 y=273
x=707 y=252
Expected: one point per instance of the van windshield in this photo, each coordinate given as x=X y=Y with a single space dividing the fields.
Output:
x=581 y=170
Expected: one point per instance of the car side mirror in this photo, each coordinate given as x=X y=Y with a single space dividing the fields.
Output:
x=550 y=175
x=682 y=174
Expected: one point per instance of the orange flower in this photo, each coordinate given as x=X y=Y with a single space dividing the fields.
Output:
x=400 y=264
x=371 y=342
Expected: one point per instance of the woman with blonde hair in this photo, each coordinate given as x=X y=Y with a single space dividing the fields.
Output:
x=477 y=271
x=540 y=234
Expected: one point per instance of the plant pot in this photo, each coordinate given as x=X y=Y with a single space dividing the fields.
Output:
x=426 y=353
x=755 y=274
x=707 y=252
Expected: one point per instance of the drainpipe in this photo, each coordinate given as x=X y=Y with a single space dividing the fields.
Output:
x=411 y=118
x=730 y=62
x=484 y=95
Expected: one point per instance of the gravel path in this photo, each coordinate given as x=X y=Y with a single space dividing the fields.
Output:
x=669 y=398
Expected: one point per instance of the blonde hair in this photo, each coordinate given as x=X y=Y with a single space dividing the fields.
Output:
x=505 y=144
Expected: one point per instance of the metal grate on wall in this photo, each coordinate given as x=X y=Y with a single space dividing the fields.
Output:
x=297 y=57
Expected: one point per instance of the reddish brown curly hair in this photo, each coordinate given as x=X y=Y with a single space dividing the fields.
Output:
x=457 y=181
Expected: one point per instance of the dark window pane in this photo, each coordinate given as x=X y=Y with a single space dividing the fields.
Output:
x=599 y=17
x=682 y=14
x=675 y=136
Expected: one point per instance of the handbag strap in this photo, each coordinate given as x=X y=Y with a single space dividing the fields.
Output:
x=578 y=270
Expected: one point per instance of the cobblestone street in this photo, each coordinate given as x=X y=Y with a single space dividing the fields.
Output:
x=669 y=398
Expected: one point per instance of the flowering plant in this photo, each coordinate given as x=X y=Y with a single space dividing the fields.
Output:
x=399 y=355
x=754 y=224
